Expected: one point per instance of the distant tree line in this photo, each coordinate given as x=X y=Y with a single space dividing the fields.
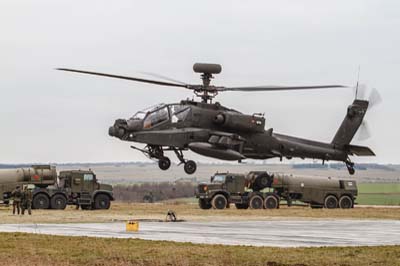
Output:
x=152 y=192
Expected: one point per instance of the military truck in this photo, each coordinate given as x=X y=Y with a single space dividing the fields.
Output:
x=260 y=189
x=73 y=187
x=242 y=190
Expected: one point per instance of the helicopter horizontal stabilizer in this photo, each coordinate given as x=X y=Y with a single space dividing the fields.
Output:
x=359 y=150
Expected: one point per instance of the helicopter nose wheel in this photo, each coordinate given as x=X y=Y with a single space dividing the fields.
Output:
x=164 y=163
x=190 y=167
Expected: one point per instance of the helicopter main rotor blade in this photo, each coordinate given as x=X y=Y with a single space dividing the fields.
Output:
x=279 y=88
x=164 y=77
x=127 y=78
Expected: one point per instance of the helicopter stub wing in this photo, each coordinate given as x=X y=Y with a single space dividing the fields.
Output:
x=178 y=137
x=215 y=144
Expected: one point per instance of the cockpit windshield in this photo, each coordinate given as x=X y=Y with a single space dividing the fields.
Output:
x=139 y=115
x=142 y=114
x=158 y=114
x=218 y=179
x=178 y=112
x=156 y=117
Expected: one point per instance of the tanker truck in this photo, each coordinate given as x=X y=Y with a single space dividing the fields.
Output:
x=259 y=189
x=72 y=187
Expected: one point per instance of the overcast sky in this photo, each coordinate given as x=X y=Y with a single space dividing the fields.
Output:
x=53 y=116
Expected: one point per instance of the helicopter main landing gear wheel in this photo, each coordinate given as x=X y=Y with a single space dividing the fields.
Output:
x=188 y=165
x=164 y=163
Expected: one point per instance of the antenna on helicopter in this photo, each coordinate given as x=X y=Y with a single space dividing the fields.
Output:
x=358 y=79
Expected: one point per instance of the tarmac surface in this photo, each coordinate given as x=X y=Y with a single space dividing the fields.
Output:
x=278 y=233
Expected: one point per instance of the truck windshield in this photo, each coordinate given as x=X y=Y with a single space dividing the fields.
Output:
x=218 y=179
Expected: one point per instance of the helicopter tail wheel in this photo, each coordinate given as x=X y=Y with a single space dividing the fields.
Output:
x=164 y=163
x=190 y=167
x=350 y=167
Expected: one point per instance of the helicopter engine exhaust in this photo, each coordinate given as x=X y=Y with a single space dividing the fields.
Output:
x=210 y=150
x=246 y=123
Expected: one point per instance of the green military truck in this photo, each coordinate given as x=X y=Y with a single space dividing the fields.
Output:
x=257 y=190
x=72 y=187
x=242 y=190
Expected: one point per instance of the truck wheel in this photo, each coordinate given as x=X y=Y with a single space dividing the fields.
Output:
x=58 y=202
x=256 y=202
x=41 y=201
x=345 y=202
x=204 y=204
x=219 y=202
x=241 y=206
x=102 y=202
x=271 y=202
x=331 y=202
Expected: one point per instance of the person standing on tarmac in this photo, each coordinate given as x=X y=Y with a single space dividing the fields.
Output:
x=16 y=195
x=26 y=202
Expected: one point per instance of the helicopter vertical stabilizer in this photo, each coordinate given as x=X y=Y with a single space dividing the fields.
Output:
x=353 y=120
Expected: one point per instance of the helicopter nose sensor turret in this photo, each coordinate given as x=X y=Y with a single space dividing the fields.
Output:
x=118 y=129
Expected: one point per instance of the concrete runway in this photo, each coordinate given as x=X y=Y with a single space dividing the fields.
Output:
x=278 y=233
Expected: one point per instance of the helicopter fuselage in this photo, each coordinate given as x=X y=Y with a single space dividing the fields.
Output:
x=216 y=131
x=213 y=130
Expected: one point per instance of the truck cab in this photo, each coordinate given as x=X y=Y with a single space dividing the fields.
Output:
x=84 y=190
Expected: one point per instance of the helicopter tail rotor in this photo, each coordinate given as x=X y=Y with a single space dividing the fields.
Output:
x=374 y=99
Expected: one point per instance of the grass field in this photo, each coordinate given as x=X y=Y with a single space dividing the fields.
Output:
x=379 y=194
x=30 y=249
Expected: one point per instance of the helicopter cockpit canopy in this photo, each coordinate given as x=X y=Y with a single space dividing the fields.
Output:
x=142 y=114
x=161 y=113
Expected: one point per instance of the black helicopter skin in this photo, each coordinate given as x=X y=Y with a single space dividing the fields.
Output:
x=213 y=130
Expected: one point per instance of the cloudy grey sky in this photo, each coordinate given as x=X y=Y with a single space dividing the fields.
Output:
x=52 y=116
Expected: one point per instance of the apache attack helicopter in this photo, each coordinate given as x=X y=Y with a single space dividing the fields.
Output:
x=213 y=130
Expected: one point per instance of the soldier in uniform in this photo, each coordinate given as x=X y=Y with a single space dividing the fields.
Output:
x=26 y=202
x=16 y=195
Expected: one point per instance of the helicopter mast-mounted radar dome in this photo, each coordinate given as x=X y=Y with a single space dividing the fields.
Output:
x=207 y=68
